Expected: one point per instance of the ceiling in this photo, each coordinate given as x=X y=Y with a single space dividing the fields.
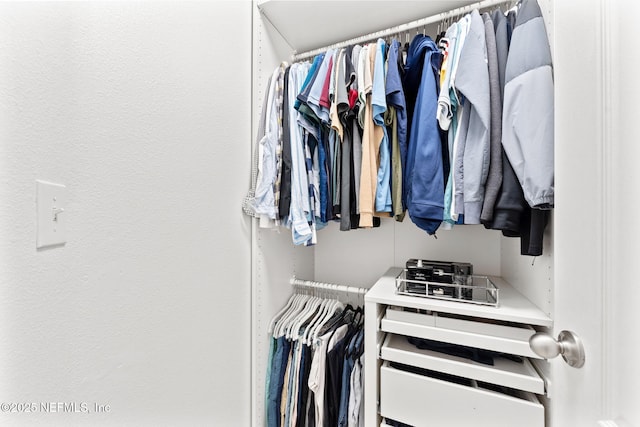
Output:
x=311 y=24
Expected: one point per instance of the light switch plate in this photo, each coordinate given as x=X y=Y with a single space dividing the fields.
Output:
x=51 y=214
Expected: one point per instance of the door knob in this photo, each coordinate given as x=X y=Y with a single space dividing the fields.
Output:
x=568 y=344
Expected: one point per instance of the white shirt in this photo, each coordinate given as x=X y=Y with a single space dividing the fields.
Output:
x=318 y=369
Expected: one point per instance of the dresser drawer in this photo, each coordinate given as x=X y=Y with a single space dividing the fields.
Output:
x=421 y=400
x=504 y=372
x=503 y=338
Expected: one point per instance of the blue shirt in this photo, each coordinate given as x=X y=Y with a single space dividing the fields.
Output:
x=395 y=97
x=424 y=185
x=313 y=100
x=379 y=107
x=303 y=92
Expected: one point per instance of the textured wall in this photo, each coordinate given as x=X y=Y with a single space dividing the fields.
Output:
x=141 y=110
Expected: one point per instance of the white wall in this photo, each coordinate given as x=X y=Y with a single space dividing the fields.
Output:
x=361 y=257
x=275 y=259
x=141 y=109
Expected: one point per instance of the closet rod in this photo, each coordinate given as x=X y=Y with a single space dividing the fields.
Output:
x=402 y=28
x=328 y=286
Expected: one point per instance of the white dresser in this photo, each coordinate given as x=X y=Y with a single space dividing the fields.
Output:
x=429 y=388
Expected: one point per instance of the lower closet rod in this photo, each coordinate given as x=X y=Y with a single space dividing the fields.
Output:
x=328 y=286
x=402 y=28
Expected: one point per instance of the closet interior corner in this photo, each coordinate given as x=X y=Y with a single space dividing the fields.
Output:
x=365 y=258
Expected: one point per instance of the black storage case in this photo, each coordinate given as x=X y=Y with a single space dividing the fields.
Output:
x=437 y=272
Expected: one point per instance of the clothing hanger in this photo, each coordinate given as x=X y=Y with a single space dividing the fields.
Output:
x=284 y=321
x=348 y=314
x=303 y=316
x=344 y=317
x=294 y=321
x=312 y=323
x=333 y=307
x=324 y=308
x=288 y=323
x=341 y=320
x=279 y=314
x=358 y=316
x=293 y=301
x=315 y=310
x=318 y=315
x=329 y=310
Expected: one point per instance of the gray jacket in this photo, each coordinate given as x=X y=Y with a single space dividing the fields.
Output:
x=494 y=180
x=472 y=80
x=527 y=121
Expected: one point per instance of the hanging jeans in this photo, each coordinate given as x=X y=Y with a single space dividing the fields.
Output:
x=276 y=382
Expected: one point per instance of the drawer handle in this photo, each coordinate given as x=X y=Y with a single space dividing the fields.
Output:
x=568 y=344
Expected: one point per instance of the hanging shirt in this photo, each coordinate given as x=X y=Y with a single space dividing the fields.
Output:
x=357 y=131
x=338 y=97
x=364 y=82
x=314 y=149
x=318 y=370
x=332 y=76
x=300 y=229
x=248 y=204
x=423 y=183
x=348 y=364
x=292 y=384
x=279 y=98
x=355 y=412
x=313 y=177
x=276 y=381
x=313 y=100
x=379 y=105
x=346 y=117
x=445 y=114
x=339 y=91
x=303 y=90
x=472 y=81
x=265 y=205
x=303 y=396
x=371 y=138
x=456 y=207
x=448 y=113
x=285 y=174
x=395 y=98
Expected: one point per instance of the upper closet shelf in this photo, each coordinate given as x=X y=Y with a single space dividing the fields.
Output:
x=514 y=307
x=307 y=25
